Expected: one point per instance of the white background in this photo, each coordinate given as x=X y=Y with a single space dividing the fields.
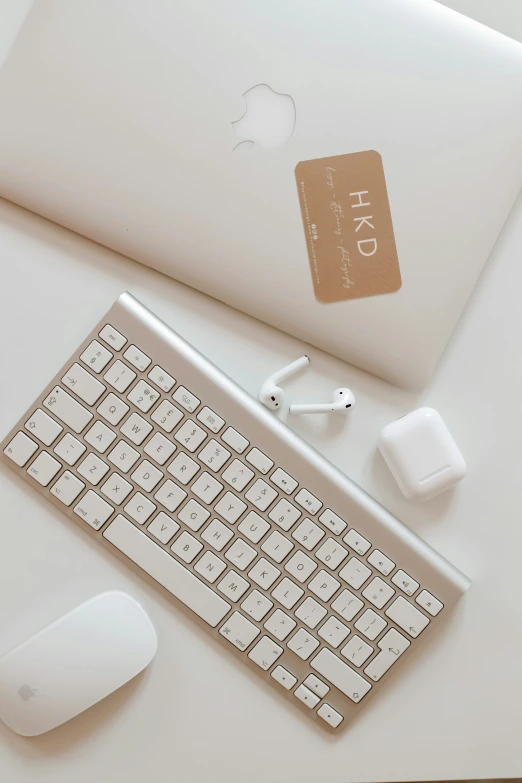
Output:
x=195 y=716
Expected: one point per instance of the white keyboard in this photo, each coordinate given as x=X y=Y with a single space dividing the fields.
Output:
x=286 y=562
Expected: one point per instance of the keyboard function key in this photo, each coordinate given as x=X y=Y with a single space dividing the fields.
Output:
x=93 y=509
x=44 y=468
x=239 y=631
x=143 y=396
x=211 y=420
x=236 y=441
x=306 y=696
x=93 y=468
x=284 y=678
x=69 y=449
x=83 y=384
x=20 y=449
x=332 y=521
x=119 y=376
x=260 y=461
x=112 y=409
x=67 y=488
x=43 y=427
x=137 y=358
x=112 y=337
x=407 y=617
x=186 y=399
x=161 y=379
x=139 y=508
x=166 y=415
x=65 y=408
x=381 y=562
x=331 y=716
x=283 y=481
x=190 y=435
x=357 y=542
x=96 y=356
x=405 y=582
x=265 y=653
x=429 y=603
x=308 y=501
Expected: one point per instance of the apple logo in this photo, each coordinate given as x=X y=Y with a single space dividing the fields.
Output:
x=268 y=120
x=26 y=692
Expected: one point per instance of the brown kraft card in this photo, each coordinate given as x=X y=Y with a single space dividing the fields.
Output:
x=348 y=226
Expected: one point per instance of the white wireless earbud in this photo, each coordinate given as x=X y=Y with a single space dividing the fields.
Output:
x=342 y=400
x=271 y=395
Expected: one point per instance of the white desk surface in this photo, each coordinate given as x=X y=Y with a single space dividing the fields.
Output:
x=195 y=716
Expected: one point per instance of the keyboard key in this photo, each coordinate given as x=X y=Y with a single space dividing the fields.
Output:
x=280 y=625
x=116 y=488
x=217 y=535
x=148 y=477
x=161 y=378
x=277 y=546
x=284 y=514
x=232 y=438
x=193 y=515
x=341 y=675
x=378 y=592
x=67 y=410
x=183 y=468
x=93 y=468
x=405 y=582
x=355 y=573
x=137 y=358
x=190 y=435
x=332 y=521
x=333 y=631
x=392 y=646
x=429 y=603
x=323 y=585
x=306 y=696
x=20 y=449
x=112 y=337
x=210 y=566
x=119 y=376
x=239 y=631
x=233 y=586
x=187 y=547
x=44 y=468
x=284 y=678
x=308 y=534
x=300 y=566
x=261 y=495
x=370 y=624
x=123 y=456
x=186 y=399
x=163 y=527
x=331 y=716
x=357 y=651
x=331 y=553
x=136 y=429
x=315 y=685
x=143 y=396
x=83 y=384
x=237 y=475
x=178 y=580
x=96 y=356
x=159 y=448
x=283 y=481
x=264 y=573
x=253 y=527
x=67 y=488
x=170 y=495
x=381 y=562
x=69 y=449
x=310 y=612
x=100 y=436
x=112 y=409
x=211 y=420
x=287 y=593
x=94 y=510
x=214 y=455
x=166 y=415
x=41 y=426
x=256 y=605
x=207 y=488
x=140 y=508
x=265 y=653
x=357 y=542
x=347 y=605
x=307 y=501
x=259 y=460
x=303 y=644
x=407 y=617
x=240 y=554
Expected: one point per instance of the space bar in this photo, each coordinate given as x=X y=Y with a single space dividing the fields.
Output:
x=177 y=579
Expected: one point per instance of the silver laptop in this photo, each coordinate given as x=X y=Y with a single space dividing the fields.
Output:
x=340 y=169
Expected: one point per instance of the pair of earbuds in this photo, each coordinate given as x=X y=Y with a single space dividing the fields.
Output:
x=272 y=396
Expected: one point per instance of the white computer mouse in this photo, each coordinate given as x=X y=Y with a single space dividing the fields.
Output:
x=74 y=662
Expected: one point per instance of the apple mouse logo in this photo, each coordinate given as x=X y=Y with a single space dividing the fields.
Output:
x=26 y=692
x=268 y=120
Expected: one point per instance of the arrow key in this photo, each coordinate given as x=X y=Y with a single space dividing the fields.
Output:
x=284 y=678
